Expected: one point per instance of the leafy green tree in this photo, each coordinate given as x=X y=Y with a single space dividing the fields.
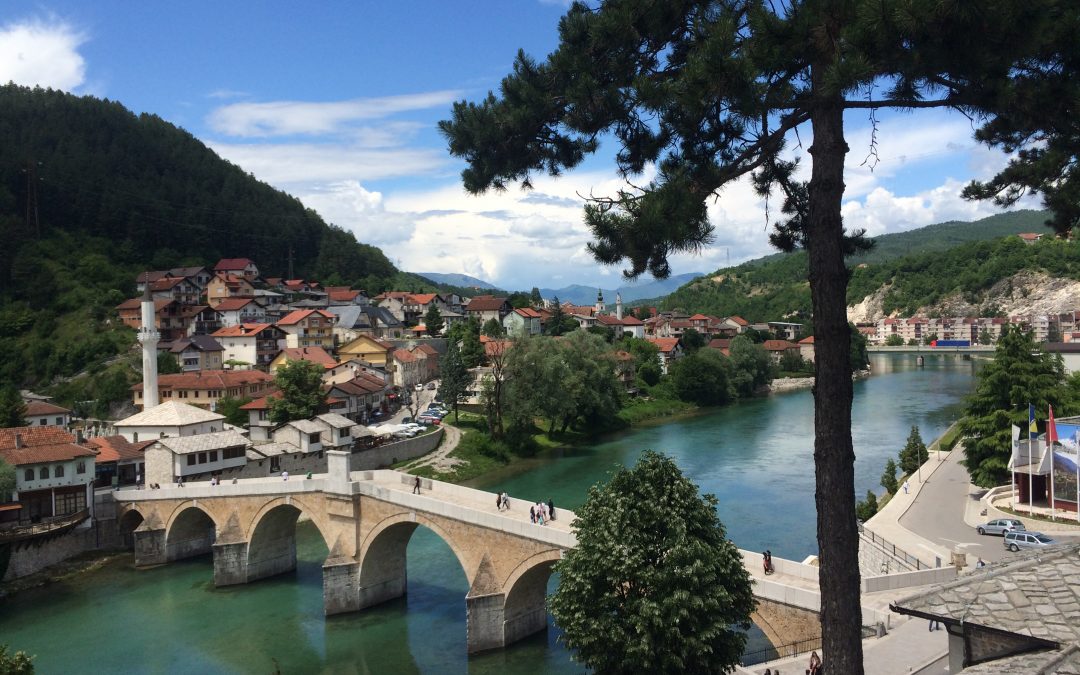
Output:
x=928 y=338
x=750 y=365
x=537 y=372
x=229 y=406
x=19 y=663
x=650 y=373
x=692 y=340
x=300 y=384
x=167 y=363
x=590 y=385
x=709 y=92
x=1020 y=374
x=468 y=334
x=791 y=361
x=895 y=340
x=866 y=508
x=912 y=343
x=888 y=478
x=12 y=408
x=454 y=377
x=669 y=594
x=985 y=337
x=914 y=453
x=492 y=328
x=433 y=320
x=7 y=481
x=535 y=298
x=702 y=378
x=607 y=333
x=860 y=357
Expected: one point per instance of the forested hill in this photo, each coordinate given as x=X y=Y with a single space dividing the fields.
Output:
x=922 y=267
x=91 y=194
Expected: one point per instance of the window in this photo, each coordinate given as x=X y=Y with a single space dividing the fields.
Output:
x=42 y=421
x=59 y=421
x=43 y=473
x=202 y=458
x=232 y=453
x=135 y=437
x=59 y=470
x=80 y=467
x=28 y=475
x=191 y=460
x=213 y=455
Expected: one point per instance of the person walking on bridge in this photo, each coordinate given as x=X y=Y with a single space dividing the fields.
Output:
x=416 y=486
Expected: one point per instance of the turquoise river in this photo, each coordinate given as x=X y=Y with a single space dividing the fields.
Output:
x=756 y=457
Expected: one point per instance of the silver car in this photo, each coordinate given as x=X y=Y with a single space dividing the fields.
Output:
x=1014 y=541
x=1000 y=526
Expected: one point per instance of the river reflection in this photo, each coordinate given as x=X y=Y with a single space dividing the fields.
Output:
x=756 y=457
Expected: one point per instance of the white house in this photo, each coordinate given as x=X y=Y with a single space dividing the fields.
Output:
x=169 y=459
x=304 y=434
x=522 y=321
x=54 y=476
x=236 y=311
x=169 y=419
x=40 y=414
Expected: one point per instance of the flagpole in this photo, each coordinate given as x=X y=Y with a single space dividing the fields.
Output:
x=1031 y=483
x=1051 y=438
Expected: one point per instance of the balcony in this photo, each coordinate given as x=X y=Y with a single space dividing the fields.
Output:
x=48 y=526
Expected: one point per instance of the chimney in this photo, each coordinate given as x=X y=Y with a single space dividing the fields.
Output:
x=18 y=441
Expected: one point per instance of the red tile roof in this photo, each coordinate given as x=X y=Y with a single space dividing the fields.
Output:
x=209 y=379
x=720 y=343
x=807 y=340
x=632 y=320
x=699 y=317
x=243 y=330
x=150 y=276
x=527 y=312
x=427 y=349
x=233 y=304
x=1029 y=236
x=778 y=345
x=404 y=355
x=342 y=295
x=165 y=283
x=115 y=448
x=422 y=298
x=485 y=303
x=739 y=320
x=39 y=444
x=261 y=403
x=497 y=347
x=228 y=264
x=35 y=408
x=313 y=354
x=136 y=303
x=665 y=345
x=295 y=317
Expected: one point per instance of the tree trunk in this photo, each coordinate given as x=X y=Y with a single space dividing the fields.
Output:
x=834 y=458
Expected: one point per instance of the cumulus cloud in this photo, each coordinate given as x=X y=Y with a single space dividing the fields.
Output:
x=349 y=205
x=39 y=52
x=288 y=118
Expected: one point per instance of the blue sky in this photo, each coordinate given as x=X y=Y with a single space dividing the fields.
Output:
x=336 y=103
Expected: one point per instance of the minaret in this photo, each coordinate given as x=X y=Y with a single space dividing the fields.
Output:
x=599 y=300
x=618 y=306
x=148 y=336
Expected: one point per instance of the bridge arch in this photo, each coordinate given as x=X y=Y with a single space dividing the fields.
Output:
x=382 y=556
x=271 y=536
x=190 y=531
x=525 y=608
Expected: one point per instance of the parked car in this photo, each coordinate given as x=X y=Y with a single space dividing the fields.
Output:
x=427 y=418
x=431 y=386
x=1014 y=541
x=419 y=387
x=1000 y=526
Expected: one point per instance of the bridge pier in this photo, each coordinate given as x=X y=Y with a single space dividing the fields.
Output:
x=341 y=580
x=231 y=563
x=484 y=622
x=149 y=547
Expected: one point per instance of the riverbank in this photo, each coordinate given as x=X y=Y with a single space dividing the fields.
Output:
x=80 y=564
x=785 y=384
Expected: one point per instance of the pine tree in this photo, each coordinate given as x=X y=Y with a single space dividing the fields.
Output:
x=555 y=321
x=1020 y=374
x=711 y=92
x=914 y=453
x=433 y=320
x=12 y=408
x=888 y=478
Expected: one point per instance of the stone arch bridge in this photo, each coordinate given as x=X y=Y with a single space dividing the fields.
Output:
x=366 y=519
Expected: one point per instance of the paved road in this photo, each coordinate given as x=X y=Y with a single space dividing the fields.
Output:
x=938 y=514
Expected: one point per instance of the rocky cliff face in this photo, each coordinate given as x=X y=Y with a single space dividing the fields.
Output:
x=1026 y=292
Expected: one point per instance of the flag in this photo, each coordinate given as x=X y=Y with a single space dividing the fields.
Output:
x=1051 y=429
x=1033 y=429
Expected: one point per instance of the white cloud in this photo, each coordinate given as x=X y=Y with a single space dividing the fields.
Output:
x=289 y=164
x=349 y=205
x=286 y=118
x=42 y=53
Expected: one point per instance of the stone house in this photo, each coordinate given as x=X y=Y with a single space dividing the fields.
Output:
x=54 y=475
x=173 y=458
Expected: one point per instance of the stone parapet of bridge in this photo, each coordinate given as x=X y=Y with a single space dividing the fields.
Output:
x=367 y=519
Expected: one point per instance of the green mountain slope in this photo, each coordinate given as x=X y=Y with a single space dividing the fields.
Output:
x=91 y=194
x=776 y=286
